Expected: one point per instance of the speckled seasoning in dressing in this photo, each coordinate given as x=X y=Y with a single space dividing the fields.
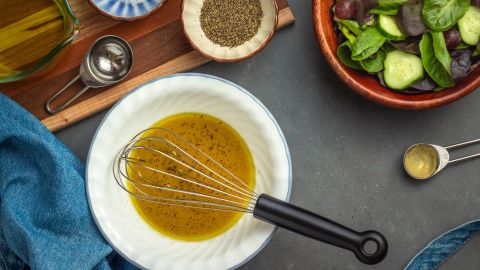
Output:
x=223 y=144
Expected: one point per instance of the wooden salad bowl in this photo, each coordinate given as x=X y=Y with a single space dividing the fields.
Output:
x=368 y=85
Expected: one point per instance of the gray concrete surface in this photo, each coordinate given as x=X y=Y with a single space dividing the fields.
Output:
x=346 y=155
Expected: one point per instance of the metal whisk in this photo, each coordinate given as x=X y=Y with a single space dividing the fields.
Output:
x=147 y=166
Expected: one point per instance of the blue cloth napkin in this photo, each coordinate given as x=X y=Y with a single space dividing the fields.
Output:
x=45 y=221
x=444 y=246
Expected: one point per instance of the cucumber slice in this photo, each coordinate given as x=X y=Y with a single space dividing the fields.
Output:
x=469 y=26
x=387 y=25
x=402 y=69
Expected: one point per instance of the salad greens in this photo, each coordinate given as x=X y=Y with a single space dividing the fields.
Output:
x=440 y=15
x=349 y=35
x=441 y=52
x=391 y=3
x=374 y=63
x=461 y=64
x=432 y=64
x=387 y=7
x=367 y=43
x=384 y=11
x=344 y=53
x=412 y=46
x=352 y=26
x=409 y=19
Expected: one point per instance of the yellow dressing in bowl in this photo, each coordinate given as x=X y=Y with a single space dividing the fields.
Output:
x=219 y=141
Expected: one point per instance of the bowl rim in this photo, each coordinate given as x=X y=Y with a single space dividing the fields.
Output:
x=237 y=87
x=407 y=104
x=230 y=60
x=127 y=19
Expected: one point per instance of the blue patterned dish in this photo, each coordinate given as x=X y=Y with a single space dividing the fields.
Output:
x=127 y=10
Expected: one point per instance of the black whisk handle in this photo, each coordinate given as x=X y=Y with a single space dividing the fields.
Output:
x=296 y=219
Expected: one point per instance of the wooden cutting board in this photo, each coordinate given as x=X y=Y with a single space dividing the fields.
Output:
x=159 y=46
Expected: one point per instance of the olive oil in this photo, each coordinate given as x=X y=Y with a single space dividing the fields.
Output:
x=29 y=30
x=421 y=161
x=218 y=140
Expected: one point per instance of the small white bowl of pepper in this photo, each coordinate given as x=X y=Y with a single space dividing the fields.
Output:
x=229 y=30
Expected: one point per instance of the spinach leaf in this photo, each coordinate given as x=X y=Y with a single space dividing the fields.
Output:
x=387 y=7
x=349 y=35
x=434 y=68
x=391 y=3
x=352 y=26
x=374 y=63
x=384 y=11
x=344 y=53
x=441 y=52
x=367 y=44
x=440 y=15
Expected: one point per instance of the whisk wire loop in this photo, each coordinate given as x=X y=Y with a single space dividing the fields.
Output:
x=181 y=162
x=202 y=153
x=181 y=190
x=128 y=169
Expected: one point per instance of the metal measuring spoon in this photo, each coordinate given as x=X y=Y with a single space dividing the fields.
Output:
x=432 y=158
x=108 y=61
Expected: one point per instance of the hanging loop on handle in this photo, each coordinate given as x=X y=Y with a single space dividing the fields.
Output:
x=64 y=105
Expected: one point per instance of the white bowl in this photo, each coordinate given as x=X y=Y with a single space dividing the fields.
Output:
x=191 y=10
x=111 y=207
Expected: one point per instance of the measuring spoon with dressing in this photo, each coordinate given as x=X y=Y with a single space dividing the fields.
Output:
x=422 y=161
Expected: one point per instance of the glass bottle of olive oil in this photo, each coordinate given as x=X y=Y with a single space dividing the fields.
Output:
x=29 y=31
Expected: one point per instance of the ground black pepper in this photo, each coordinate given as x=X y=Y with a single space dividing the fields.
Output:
x=231 y=23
